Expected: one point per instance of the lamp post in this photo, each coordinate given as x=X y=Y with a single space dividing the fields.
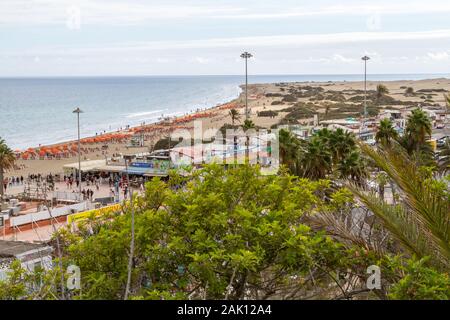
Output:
x=78 y=111
x=131 y=256
x=365 y=59
x=246 y=56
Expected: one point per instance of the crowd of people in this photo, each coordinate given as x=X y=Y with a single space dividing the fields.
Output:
x=32 y=178
x=12 y=181
x=91 y=183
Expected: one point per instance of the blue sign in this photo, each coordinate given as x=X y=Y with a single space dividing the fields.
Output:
x=141 y=165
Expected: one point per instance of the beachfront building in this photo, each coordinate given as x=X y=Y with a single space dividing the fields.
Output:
x=144 y=165
x=30 y=255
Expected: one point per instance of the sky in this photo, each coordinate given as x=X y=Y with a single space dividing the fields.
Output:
x=206 y=37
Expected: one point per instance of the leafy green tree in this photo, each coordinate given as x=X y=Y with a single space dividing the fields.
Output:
x=420 y=282
x=227 y=234
x=14 y=287
x=7 y=160
x=21 y=284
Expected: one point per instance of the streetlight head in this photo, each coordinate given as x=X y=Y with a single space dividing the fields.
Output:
x=77 y=110
x=365 y=58
x=246 y=55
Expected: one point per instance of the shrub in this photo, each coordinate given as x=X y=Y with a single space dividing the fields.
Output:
x=269 y=114
x=289 y=98
x=421 y=283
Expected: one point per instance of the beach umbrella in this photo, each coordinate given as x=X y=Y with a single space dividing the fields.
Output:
x=42 y=153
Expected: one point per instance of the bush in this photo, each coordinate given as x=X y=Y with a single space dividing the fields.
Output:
x=269 y=114
x=272 y=95
x=289 y=98
x=421 y=283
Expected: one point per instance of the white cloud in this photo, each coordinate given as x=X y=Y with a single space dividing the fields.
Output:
x=135 y=12
x=340 y=58
x=101 y=12
x=200 y=60
x=438 y=56
x=279 y=41
x=349 y=8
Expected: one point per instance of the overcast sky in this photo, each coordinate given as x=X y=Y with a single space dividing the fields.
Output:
x=167 y=37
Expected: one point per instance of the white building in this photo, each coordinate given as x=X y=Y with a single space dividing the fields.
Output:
x=31 y=256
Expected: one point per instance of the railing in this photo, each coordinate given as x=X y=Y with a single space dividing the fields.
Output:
x=67 y=196
x=45 y=215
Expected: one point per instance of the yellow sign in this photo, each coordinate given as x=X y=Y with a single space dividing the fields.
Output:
x=77 y=217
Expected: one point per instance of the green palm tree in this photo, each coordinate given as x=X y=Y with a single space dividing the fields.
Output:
x=327 y=111
x=418 y=130
x=386 y=132
x=444 y=154
x=316 y=160
x=7 y=160
x=352 y=167
x=382 y=90
x=420 y=221
x=341 y=143
x=382 y=181
x=235 y=116
x=447 y=100
x=248 y=124
x=290 y=148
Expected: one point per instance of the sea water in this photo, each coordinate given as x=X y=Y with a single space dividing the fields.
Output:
x=37 y=111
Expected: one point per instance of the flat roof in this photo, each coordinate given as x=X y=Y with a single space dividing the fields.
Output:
x=86 y=165
x=14 y=248
x=110 y=168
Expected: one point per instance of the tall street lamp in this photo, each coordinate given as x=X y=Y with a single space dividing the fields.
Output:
x=131 y=256
x=246 y=56
x=78 y=111
x=365 y=59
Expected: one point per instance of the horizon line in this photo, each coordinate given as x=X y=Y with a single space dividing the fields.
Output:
x=216 y=75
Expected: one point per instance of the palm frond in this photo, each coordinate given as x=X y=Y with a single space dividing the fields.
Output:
x=422 y=223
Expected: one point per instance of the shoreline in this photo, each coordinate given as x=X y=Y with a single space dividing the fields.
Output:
x=216 y=116
x=242 y=86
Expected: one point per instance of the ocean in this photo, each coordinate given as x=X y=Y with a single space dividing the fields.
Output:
x=37 y=111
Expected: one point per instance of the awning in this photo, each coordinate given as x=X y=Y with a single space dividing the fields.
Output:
x=86 y=166
x=109 y=168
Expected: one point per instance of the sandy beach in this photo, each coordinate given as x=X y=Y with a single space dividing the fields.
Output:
x=262 y=98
